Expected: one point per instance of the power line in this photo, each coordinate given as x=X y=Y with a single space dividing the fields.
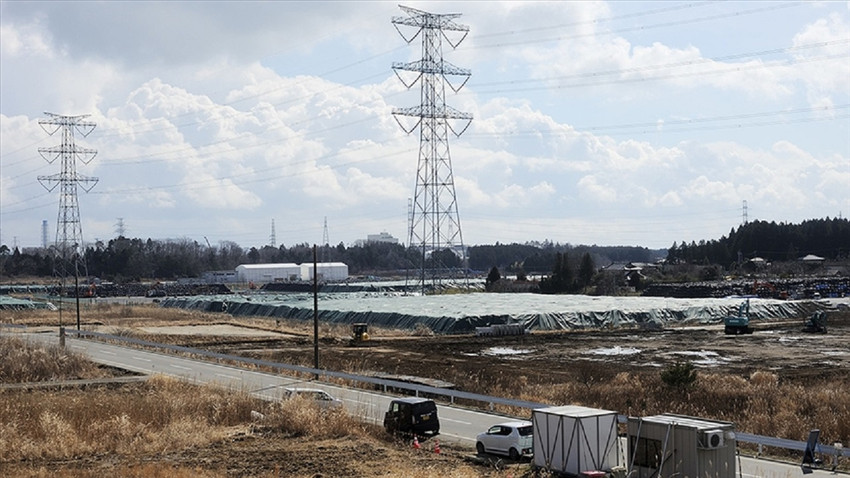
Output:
x=690 y=21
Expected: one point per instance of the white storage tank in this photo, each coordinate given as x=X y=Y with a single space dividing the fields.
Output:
x=678 y=445
x=326 y=271
x=265 y=273
x=574 y=440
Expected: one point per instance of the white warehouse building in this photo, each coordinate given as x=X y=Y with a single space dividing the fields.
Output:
x=264 y=273
x=326 y=271
x=288 y=272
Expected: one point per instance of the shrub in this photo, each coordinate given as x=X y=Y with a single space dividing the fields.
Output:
x=679 y=375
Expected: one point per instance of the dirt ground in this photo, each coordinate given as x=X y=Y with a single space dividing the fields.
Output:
x=262 y=454
x=554 y=357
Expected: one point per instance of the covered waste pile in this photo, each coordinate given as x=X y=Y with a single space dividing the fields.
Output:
x=462 y=313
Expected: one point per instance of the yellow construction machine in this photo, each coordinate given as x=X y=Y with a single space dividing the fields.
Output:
x=359 y=334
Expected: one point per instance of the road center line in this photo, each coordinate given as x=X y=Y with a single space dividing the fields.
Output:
x=180 y=367
x=228 y=376
x=140 y=358
x=107 y=352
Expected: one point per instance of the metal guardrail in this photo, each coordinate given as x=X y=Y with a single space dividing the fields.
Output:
x=760 y=440
x=789 y=444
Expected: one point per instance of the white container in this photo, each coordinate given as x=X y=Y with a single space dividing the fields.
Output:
x=574 y=439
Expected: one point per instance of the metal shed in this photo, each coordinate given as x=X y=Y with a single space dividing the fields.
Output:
x=677 y=445
x=573 y=439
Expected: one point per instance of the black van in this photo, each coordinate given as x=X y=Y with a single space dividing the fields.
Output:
x=416 y=416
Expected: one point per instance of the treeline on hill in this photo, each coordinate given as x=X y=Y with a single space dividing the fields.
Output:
x=827 y=238
x=542 y=258
x=127 y=260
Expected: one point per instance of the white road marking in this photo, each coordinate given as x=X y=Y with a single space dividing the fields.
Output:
x=140 y=358
x=228 y=376
x=180 y=367
x=107 y=352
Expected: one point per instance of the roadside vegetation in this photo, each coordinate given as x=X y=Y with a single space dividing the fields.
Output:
x=22 y=361
x=167 y=428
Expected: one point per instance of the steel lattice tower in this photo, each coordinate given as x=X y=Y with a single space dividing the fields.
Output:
x=68 y=251
x=434 y=220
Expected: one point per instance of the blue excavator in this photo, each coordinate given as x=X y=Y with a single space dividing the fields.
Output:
x=738 y=324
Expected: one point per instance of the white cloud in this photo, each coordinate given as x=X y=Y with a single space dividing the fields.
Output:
x=216 y=119
x=591 y=187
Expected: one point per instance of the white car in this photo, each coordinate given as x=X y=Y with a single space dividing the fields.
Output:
x=320 y=397
x=513 y=439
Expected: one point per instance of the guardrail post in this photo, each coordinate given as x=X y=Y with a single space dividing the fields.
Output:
x=760 y=450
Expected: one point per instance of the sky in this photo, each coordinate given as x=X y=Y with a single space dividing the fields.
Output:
x=607 y=123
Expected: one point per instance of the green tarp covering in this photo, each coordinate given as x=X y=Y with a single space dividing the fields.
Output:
x=461 y=313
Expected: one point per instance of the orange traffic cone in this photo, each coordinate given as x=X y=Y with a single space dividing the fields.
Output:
x=437 y=447
x=416 y=444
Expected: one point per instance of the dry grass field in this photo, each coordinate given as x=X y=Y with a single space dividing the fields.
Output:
x=775 y=382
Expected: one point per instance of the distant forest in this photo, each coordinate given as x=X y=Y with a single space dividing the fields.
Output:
x=827 y=238
x=128 y=260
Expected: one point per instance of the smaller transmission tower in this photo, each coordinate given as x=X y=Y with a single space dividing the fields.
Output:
x=744 y=218
x=120 y=228
x=325 y=241
x=272 y=238
x=434 y=220
x=68 y=257
x=44 y=243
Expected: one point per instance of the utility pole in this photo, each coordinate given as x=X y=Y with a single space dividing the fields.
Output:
x=315 y=314
x=68 y=249
x=434 y=220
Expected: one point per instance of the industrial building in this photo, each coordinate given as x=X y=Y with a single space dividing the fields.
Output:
x=264 y=273
x=678 y=445
x=382 y=238
x=326 y=271
x=288 y=272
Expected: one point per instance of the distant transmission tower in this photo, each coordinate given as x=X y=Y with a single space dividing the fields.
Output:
x=744 y=219
x=120 y=228
x=272 y=238
x=68 y=257
x=434 y=220
x=325 y=241
x=44 y=233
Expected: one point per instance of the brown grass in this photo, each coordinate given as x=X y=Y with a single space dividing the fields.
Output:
x=154 y=417
x=167 y=428
x=23 y=361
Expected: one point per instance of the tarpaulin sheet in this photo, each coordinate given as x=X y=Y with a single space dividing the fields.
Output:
x=461 y=313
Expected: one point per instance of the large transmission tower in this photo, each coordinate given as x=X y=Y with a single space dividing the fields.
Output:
x=434 y=220
x=68 y=251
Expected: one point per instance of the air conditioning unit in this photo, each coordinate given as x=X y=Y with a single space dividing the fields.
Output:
x=712 y=439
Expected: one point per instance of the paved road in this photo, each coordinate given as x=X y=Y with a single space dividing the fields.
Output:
x=459 y=425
